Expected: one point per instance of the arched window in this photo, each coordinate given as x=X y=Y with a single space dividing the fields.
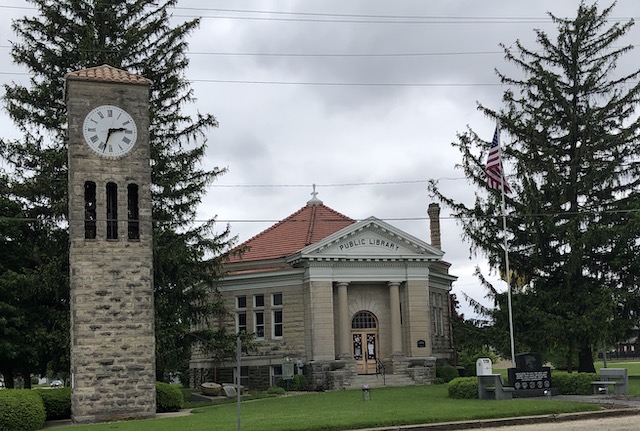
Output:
x=112 y=211
x=364 y=320
x=90 y=210
x=133 y=212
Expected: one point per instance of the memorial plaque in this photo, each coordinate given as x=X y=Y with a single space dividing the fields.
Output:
x=287 y=369
x=529 y=377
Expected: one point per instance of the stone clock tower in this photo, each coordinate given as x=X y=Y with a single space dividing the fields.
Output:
x=111 y=254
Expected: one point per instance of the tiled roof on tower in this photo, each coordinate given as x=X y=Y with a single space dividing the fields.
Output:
x=310 y=224
x=106 y=73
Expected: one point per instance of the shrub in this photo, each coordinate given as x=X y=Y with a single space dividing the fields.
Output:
x=21 y=410
x=275 y=390
x=298 y=383
x=168 y=397
x=57 y=402
x=463 y=387
x=573 y=383
x=446 y=373
x=468 y=358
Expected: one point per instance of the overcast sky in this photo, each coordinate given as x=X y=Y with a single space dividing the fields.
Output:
x=362 y=98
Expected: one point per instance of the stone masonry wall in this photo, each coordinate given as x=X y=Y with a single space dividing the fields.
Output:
x=111 y=289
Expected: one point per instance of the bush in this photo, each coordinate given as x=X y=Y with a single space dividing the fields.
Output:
x=468 y=358
x=275 y=390
x=463 y=388
x=168 y=397
x=573 y=383
x=21 y=410
x=446 y=373
x=57 y=402
x=299 y=383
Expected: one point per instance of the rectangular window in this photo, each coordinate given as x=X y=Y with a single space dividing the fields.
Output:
x=90 y=210
x=241 y=302
x=276 y=299
x=258 y=323
x=277 y=327
x=437 y=311
x=133 y=212
x=276 y=374
x=241 y=322
x=112 y=211
x=258 y=301
x=244 y=376
x=277 y=323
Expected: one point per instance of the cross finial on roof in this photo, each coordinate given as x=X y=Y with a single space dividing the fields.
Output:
x=314 y=199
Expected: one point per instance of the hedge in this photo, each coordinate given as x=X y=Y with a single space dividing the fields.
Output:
x=463 y=387
x=168 y=397
x=21 y=410
x=446 y=373
x=573 y=383
x=57 y=402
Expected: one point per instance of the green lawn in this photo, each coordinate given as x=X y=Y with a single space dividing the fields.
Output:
x=341 y=410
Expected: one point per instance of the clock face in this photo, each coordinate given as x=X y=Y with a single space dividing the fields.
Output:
x=109 y=131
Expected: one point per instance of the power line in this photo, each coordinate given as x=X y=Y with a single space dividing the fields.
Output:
x=319 y=55
x=389 y=219
x=349 y=18
x=342 y=17
x=324 y=84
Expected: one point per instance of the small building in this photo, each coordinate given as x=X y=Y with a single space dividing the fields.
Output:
x=338 y=298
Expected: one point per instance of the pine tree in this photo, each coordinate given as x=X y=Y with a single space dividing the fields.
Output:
x=571 y=143
x=137 y=36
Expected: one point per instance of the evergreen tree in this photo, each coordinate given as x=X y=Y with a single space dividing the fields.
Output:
x=69 y=35
x=572 y=145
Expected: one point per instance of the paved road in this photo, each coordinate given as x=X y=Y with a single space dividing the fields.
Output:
x=624 y=423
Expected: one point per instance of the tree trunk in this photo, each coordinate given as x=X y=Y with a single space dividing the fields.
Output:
x=26 y=376
x=585 y=360
x=9 y=383
x=570 y=359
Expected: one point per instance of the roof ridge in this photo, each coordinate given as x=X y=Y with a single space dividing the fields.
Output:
x=312 y=222
x=307 y=225
x=270 y=228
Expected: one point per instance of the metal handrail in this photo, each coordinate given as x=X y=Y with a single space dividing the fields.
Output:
x=380 y=370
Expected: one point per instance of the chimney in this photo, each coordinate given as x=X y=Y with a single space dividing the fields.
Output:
x=434 y=224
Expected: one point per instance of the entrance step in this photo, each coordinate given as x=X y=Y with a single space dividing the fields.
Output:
x=378 y=381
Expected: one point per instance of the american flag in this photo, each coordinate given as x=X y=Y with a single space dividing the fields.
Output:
x=493 y=170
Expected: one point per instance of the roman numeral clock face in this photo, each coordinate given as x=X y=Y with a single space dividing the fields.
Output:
x=109 y=131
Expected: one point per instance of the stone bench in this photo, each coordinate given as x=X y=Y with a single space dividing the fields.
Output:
x=616 y=377
x=491 y=387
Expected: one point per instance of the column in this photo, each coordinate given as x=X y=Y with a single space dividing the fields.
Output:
x=344 y=326
x=396 y=329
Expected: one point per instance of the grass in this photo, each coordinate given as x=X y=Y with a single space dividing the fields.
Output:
x=341 y=410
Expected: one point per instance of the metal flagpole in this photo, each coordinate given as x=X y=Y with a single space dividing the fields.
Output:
x=506 y=258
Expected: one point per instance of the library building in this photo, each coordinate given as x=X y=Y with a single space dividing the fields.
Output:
x=337 y=300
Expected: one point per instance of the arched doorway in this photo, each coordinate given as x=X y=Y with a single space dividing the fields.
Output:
x=364 y=336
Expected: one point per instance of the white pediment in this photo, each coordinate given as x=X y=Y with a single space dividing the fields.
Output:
x=371 y=239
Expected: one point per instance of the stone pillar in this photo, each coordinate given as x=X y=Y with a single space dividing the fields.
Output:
x=319 y=332
x=394 y=306
x=344 y=325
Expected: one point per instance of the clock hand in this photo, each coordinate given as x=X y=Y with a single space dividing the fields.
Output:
x=109 y=132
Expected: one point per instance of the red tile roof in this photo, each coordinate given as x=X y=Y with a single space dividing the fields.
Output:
x=106 y=73
x=308 y=225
